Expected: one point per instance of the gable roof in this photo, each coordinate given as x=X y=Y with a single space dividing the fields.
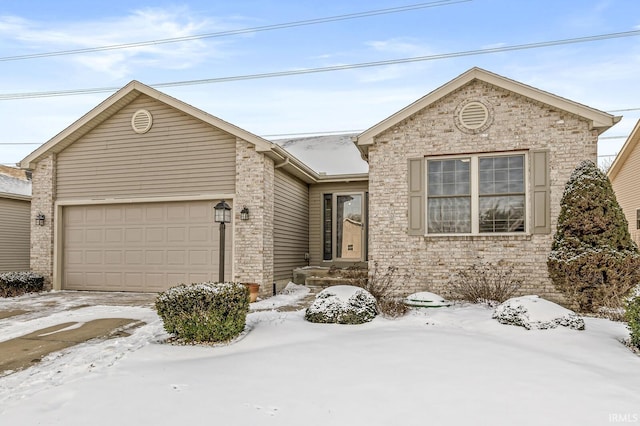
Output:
x=118 y=100
x=600 y=120
x=628 y=147
x=131 y=91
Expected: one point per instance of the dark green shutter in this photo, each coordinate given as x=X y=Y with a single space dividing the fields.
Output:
x=416 y=196
x=541 y=197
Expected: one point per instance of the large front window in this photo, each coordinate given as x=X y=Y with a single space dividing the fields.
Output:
x=343 y=227
x=449 y=196
x=476 y=194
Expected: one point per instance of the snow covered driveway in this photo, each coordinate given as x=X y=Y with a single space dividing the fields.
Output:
x=447 y=366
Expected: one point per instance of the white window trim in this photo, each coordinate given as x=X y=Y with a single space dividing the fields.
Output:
x=475 y=194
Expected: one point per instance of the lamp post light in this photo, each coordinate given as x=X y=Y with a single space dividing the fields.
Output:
x=222 y=215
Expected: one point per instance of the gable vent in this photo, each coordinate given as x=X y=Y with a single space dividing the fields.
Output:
x=141 y=121
x=473 y=115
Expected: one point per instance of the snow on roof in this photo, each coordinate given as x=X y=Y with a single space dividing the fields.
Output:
x=330 y=154
x=12 y=185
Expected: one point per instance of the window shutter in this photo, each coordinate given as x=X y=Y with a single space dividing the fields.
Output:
x=416 y=196
x=541 y=196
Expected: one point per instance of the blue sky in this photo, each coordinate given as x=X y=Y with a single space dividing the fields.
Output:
x=602 y=74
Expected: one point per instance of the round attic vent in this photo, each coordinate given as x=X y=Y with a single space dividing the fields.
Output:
x=473 y=115
x=141 y=121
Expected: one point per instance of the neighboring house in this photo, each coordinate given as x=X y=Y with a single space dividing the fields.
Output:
x=473 y=170
x=15 y=219
x=624 y=174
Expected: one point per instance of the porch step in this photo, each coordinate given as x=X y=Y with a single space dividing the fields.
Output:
x=323 y=276
x=326 y=281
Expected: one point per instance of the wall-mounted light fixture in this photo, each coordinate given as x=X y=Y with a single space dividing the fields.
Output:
x=40 y=219
x=244 y=213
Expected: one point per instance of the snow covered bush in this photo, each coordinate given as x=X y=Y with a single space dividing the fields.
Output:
x=593 y=260
x=342 y=304
x=204 y=312
x=18 y=283
x=484 y=282
x=633 y=320
x=381 y=285
x=532 y=312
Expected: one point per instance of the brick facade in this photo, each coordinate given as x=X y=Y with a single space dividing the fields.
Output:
x=253 y=238
x=42 y=201
x=518 y=123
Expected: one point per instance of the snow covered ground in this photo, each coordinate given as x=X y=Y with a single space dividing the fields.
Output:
x=445 y=366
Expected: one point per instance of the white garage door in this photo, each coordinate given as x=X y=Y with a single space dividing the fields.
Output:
x=145 y=247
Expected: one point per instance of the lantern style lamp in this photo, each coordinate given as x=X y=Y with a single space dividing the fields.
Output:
x=222 y=212
x=222 y=215
x=244 y=213
x=40 y=219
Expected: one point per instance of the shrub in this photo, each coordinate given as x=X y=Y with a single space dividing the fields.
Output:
x=532 y=312
x=17 y=283
x=633 y=320
x=204 y=312
x=342 y=305
x=484 y=282
x=593 y=260
x=381 y=285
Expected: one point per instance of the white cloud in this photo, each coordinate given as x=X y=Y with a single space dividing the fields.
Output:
x=140 y=25
x=396 y=48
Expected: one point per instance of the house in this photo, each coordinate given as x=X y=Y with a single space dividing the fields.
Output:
x=475 y=169
x=15 y=219
x=624 y=175
x=128 y=192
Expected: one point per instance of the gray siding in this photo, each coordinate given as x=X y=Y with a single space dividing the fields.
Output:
x=179 y=155
x=291 y=225
x=315 y=215
x=15 y=222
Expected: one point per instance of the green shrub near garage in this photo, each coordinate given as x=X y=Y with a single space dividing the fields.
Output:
x=18 y=283
x=204 y=312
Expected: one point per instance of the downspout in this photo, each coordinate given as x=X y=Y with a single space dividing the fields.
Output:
x=284 y=163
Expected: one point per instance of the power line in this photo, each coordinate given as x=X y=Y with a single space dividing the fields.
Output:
x=30 y=95
x=273 y=27
x=626 y=109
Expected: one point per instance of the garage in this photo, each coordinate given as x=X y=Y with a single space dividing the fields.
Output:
x=141 y=247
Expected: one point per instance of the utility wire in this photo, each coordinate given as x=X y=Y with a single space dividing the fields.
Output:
x=30 y=95
x=626 y=109
x=273 y=27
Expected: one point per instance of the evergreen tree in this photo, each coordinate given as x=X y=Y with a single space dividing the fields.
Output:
x=593 y=260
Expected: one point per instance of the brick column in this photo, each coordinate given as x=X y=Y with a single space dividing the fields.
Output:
x=253 y=238
x=42 y=201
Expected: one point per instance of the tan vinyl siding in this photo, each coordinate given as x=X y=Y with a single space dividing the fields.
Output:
x=179 y=155
x=291 y=225
x=626 y=186
x=15 y=222
x=315 y=215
